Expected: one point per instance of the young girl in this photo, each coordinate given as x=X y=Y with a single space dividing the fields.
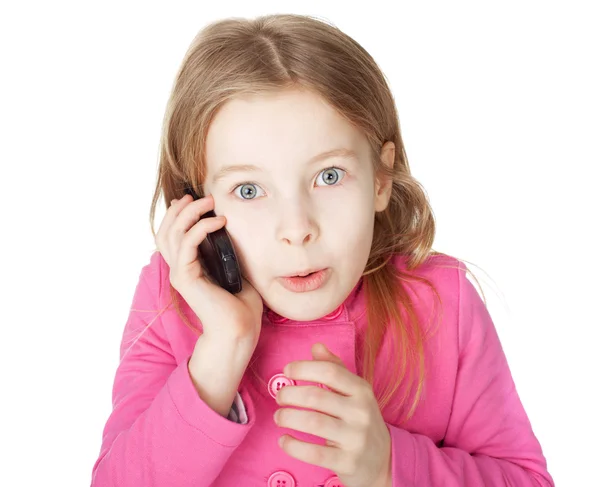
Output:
x=354 y=355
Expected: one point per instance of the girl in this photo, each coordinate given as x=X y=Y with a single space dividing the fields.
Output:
x=354 y=355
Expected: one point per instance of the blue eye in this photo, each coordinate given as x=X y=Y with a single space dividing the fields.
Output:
x=247 y=191
x=331 y=175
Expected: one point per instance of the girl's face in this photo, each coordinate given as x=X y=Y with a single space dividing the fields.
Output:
x=289 y=210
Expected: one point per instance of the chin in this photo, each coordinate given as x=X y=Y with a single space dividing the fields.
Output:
x=304 y=315
x=300 y=307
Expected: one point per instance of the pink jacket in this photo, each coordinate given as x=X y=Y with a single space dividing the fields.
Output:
x=469 y=430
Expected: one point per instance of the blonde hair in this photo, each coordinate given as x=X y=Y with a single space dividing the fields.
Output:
x=238 y=56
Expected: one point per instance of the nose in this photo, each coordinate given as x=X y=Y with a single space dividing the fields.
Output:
x=296 y=225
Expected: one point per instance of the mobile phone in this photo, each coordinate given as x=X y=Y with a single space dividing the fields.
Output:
x=217 y=255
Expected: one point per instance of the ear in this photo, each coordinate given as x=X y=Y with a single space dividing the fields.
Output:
x=383 y=184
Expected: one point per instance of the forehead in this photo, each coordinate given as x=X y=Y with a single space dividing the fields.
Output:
x=286 y=127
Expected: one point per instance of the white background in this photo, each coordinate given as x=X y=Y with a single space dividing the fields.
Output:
x=499 y=110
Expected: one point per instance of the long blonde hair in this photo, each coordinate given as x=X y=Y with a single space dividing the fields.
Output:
x=238 y=56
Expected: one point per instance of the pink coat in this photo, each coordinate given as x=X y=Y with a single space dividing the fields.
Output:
x=470 y=428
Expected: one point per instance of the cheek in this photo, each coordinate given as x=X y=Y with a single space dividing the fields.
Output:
x=354 y=234
x=246 y=233
x=350 y=218
x=353 y=238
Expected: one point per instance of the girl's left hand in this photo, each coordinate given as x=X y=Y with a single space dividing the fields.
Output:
x=358 y=446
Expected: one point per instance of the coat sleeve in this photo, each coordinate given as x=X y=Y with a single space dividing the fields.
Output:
x=160 y=432
x=489 y=441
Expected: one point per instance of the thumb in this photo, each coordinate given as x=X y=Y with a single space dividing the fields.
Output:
x=321 y=352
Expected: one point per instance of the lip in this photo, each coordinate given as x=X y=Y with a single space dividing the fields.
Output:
x=305 y=284
x=304 y=272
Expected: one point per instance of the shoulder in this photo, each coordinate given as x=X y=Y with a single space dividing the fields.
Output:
x=436 y=284
x=440 y=269
x=465 y=311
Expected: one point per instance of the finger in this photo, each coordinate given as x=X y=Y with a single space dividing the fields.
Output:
x=188 y=215
x=172 y=212
x=165 y=225
x=311 y=422
x=188 y=250
x=333 y=375
x=321 y=352
x=189 y=212
x=323 y=456
x=313 y=397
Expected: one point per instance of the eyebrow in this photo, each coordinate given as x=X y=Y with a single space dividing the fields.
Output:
x=341 y=152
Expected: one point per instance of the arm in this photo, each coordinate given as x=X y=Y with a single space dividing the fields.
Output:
x=489 y=441
x=160 y=432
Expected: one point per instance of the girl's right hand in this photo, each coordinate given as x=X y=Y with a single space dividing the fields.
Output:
x=224 y=316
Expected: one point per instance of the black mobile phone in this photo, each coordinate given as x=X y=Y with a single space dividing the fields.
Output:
x=217 y=255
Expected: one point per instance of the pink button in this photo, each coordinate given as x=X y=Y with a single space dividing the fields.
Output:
x=277 y=382
x=281 y=479
x=335 y=313
x=334 y=482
